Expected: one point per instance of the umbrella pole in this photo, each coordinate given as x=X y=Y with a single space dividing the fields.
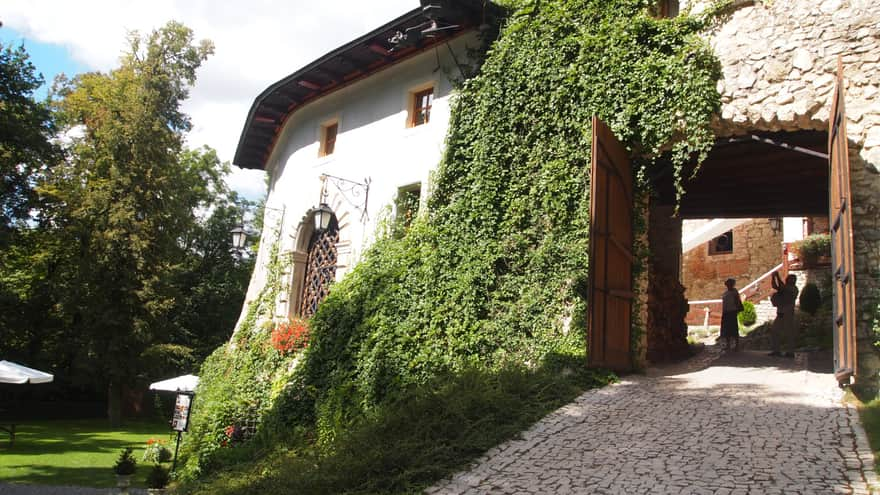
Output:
x=176 y=448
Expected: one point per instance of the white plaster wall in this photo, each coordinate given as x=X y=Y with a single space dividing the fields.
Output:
x=373 y=141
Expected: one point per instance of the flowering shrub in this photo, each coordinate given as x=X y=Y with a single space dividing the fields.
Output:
x=233 y=434
x=290 y=336
x=156 y=451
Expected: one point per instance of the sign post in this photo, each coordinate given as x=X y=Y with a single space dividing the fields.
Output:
x=180 y=419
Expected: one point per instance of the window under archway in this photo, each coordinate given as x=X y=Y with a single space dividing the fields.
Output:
x=320 y=268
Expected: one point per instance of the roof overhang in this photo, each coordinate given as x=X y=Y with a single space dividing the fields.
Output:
x=351 y=62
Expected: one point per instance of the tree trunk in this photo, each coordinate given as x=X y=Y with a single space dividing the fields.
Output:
x=114 y=403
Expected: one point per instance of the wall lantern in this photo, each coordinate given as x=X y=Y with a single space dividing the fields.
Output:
x=775 y=224
x=239 y=237
x=322 y=215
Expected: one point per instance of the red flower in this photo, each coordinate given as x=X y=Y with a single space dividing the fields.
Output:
x=289 y=336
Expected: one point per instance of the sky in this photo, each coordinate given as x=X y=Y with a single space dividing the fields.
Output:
x=257 y=42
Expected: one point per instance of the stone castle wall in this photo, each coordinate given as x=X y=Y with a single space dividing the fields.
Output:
x=779 y=59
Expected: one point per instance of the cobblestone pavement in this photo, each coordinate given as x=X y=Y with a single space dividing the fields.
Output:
x=746 y=424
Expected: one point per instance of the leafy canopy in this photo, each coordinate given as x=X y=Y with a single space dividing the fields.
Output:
x=126 y=197
x=26 y=128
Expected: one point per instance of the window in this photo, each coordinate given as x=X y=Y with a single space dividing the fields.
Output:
x=421 y=107
x=406 y=207
x=723 y=244
x=328 y=138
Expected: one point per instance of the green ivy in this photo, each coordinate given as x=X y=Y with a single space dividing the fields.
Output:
x=496 y=272
x=239 y=382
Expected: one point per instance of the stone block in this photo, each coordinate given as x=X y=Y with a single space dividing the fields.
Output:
x=802 y=59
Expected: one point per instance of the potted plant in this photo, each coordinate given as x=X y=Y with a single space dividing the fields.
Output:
x=815 y=250
x=124 y=469
x=157 y=480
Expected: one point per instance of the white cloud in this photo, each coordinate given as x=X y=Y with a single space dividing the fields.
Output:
x=257 y=43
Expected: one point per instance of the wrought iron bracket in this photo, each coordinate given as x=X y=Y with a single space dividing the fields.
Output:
x=351 y=191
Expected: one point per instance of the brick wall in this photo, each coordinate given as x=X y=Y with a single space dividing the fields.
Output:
x=756 y=249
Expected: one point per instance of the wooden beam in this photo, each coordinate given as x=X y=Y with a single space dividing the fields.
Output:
x=309 y=84
x=381 y=50
x=273 y=110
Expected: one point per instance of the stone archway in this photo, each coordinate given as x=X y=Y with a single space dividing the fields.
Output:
x=752 y=176
x=779 y=62
x=329 y=253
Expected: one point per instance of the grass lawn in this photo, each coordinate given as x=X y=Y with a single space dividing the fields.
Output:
x=870 y=414
x=75 y=452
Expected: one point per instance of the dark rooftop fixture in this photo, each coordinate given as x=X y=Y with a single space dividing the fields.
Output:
x=431 y=24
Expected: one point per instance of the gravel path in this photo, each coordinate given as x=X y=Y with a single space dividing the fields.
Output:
x=746 y=424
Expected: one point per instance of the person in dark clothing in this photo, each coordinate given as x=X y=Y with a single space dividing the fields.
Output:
x=731 y=305
x=782 y=333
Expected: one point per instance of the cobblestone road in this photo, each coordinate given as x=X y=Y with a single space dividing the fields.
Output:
x=747 y=424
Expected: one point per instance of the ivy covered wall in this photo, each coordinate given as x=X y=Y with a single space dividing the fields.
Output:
x=496 y=270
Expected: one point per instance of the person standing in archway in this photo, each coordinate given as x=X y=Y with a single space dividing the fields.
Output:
x=731 y=305
x=783 y=331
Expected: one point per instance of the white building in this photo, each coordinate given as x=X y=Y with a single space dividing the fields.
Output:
x=357 y=129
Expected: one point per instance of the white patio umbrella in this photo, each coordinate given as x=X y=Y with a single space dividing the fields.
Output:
x=185 y=383
x=18 y=374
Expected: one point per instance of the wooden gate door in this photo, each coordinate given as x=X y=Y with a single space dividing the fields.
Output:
x=840 y=219
x=611 y=241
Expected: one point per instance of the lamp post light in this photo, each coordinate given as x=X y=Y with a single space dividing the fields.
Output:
x=323 y=215
x=239 y=237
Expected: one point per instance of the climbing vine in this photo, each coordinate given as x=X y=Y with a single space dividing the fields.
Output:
x=239 y=381
x=497 y=271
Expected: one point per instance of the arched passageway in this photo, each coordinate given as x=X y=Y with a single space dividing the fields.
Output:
x=751 y=176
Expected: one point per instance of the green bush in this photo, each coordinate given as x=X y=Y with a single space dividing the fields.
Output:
x=810 y=298
x=158 y=477
x=156 y=451
x=748 y=316
x=125 y=463
x=813 y=246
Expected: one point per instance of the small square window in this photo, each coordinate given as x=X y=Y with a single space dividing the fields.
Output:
x=420 y=112
x=328 y=139
x=723 y=244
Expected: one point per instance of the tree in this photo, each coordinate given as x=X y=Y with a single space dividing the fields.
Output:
x=120 y=207
x=26 y=153
x=26 y=128
x=213 y=281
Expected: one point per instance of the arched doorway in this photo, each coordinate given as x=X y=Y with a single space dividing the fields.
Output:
x=320 y=269
x=753 y=176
